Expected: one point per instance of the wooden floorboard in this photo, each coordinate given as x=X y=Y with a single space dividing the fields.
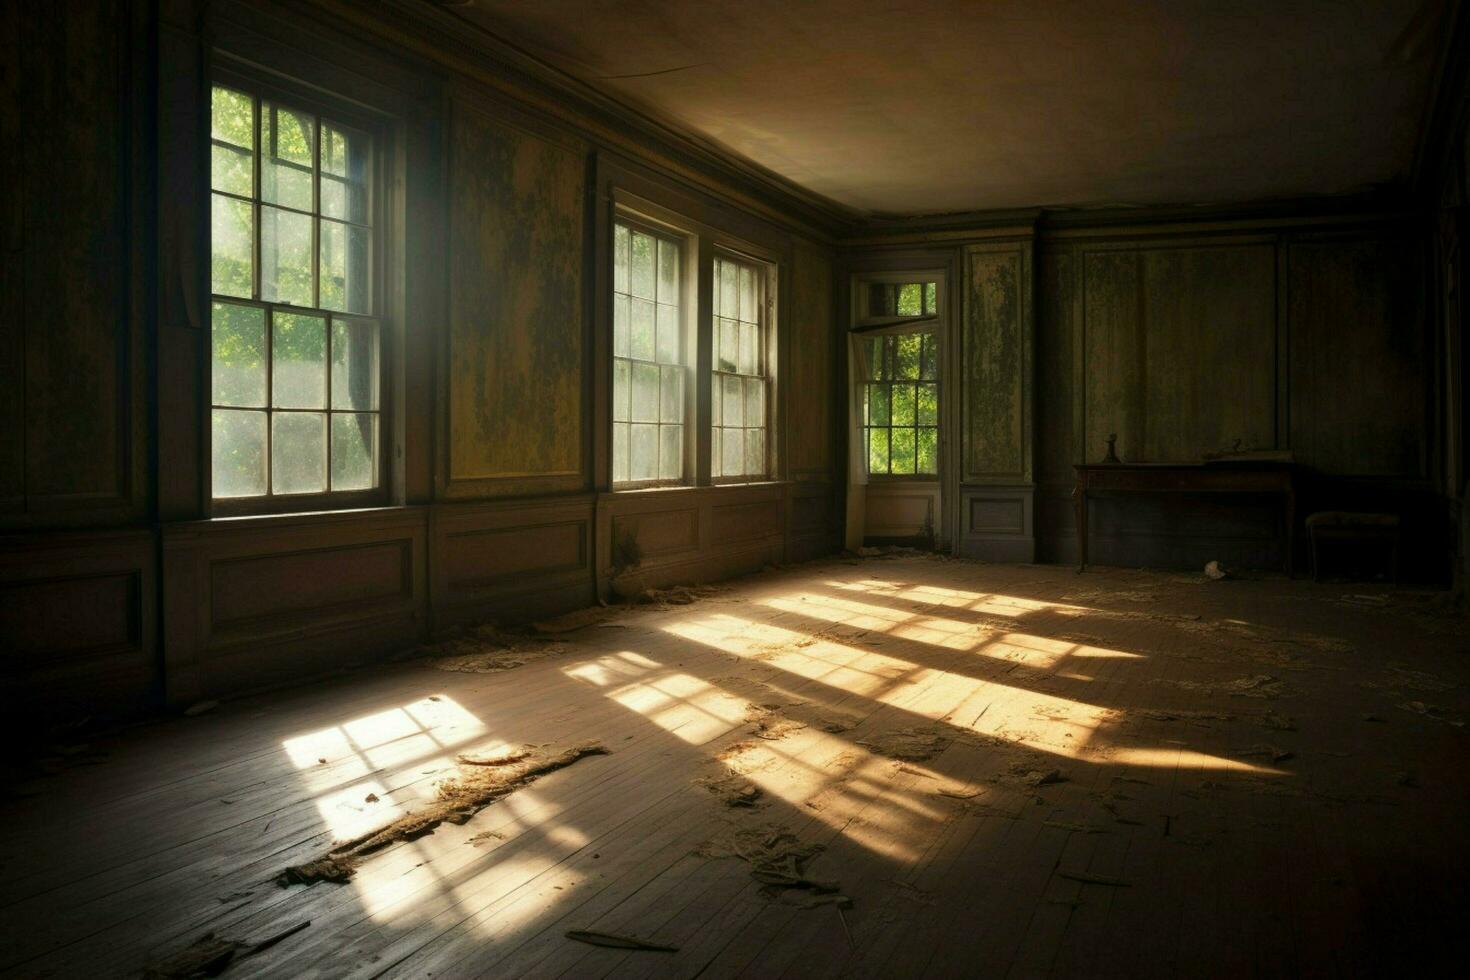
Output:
x=1264 y=777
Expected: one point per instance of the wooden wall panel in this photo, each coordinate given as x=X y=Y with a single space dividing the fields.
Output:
x=70 y=408
x=809 y=376
x=1358 y=367
x=78 y=631
x=509 y=560
x=252 y=603
x=516 y=329
x=1112 y=353
x=1210 y=350
x=286 y=585
x=996 y=341
x=12 y=241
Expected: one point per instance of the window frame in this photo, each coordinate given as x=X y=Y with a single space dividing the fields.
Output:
x=766 y=272
x=688 y=244
x=230 y=72
x=631 y=199
x=866 y=327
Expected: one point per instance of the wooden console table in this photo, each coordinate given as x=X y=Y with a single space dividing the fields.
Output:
x=1225 y=476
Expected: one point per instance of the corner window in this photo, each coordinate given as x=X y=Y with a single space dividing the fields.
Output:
x=738 y=384
x=296 y=349
x=901 y=404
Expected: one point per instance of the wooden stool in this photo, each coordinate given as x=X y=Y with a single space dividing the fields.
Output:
x=1344 y=525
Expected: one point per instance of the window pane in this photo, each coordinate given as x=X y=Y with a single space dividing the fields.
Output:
x=641 y=265
x=902 y=453
x=878 y=450
x=668 y=334
x=910 y=300
x=875 y=358
x=298 y=452
x=716 y=457
x=755 y=452
x=620 y=452
x=354 y=364
x=729 y=347
x=231 y=170
x=643 y=457
x=928 y=451
x=622 y=390
x=733 y=399
x=238 y=358
x=927 y=410
x=232 y=239
x=903 y=405
x=287 y=140
x=906 y=361
x=620 y=326
x=620 y=258
x=239 y=453
x=298 y=361
x=931 y=298
x=645 y=392
x=671 y=452
x=755 y=401
x=285 y=257
x=643 y=345
x=716 y=394
x=345 y=258
x=232 y=117
x=668 y=273
x=346 y=174
x=750 y=362
x=729 y=286
x=929 y=369
x=671 y=407
x=354 y=447
x=732 y=462
x=878 y=405
x=749 y=308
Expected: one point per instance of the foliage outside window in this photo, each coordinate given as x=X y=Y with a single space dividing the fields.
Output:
x=901 y=404
x=890 y=299
x=739 y=379
x=294 y=343
x=648 y=359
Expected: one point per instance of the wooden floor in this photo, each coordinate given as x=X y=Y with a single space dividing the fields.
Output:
x=1261 y=778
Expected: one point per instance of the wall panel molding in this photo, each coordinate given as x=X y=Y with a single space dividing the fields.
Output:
x=78 y=623
x=252 y=602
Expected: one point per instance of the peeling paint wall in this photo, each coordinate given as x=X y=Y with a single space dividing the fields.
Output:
x=515 y=345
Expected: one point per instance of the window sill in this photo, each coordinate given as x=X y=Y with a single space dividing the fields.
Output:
x=633 y=492
x=352 y=515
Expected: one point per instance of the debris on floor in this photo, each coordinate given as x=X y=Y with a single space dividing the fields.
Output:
x=678 y=595
x=211 y=955
x=908 y=744
x=200 y=707
x=479 y=783
x=614 y=941
x=777 y=860
x=1257 y=686
x=732 y=789
x=486 y=649
x=1214 y=570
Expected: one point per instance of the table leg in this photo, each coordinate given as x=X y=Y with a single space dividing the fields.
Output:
x=1079 y=501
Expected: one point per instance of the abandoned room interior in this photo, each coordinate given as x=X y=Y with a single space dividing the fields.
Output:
x=862 y=489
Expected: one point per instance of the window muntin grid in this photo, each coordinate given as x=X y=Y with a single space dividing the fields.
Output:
x=739 y=381
x=295 y=350
x=901 y=405
x=649 y=359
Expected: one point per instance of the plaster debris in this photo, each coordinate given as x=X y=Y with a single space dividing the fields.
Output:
x=484 y=781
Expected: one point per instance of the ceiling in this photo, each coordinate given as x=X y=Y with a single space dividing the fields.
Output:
x=926 y=106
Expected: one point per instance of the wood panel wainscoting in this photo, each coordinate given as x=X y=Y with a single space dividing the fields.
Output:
x=254 y=601
x=78 y=620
